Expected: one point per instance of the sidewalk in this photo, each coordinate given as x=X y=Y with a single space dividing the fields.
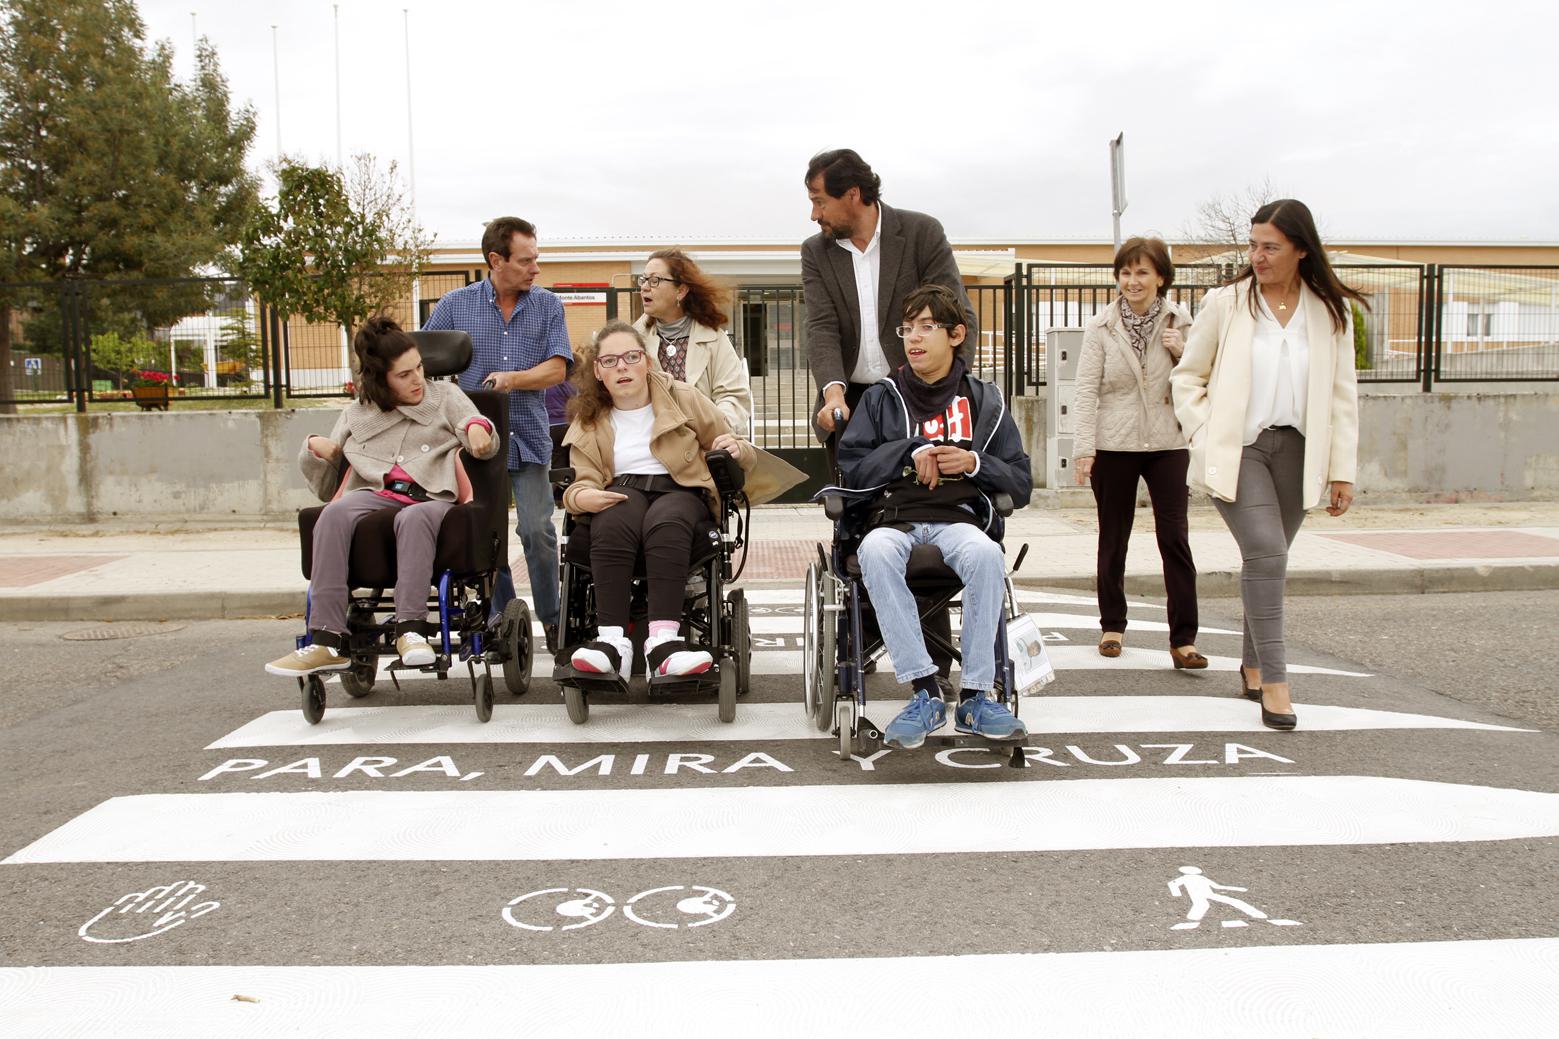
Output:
x=207 y=572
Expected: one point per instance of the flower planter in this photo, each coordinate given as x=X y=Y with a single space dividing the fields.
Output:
x=149 y=397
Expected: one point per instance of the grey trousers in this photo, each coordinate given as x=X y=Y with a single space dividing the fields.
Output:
x=416 y=540
x=1264 y=517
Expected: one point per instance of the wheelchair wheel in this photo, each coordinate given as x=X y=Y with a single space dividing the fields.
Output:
x=518 y=647
x=578 y=706
x=842 y=717
x=313 y=698
x=484 y=697
x=727 y=693
x=358 y=681
x=741 y=641
x=818 y=626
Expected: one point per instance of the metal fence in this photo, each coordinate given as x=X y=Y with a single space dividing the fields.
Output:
x=1495 y=323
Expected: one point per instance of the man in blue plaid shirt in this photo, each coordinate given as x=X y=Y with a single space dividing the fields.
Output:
x=519 y=343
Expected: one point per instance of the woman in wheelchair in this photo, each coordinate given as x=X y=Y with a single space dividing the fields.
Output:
x=924 y=453
x=401 y=439
x=636 y=443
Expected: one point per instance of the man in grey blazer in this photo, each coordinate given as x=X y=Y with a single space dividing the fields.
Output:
x=856 y=272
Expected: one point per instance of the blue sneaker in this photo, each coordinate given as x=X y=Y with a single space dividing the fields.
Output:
x=923 y=715
x=983 y=715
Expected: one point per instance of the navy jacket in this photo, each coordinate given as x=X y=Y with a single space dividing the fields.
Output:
x=876 y=447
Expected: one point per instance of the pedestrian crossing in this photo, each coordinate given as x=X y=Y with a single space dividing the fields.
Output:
x=764 y=810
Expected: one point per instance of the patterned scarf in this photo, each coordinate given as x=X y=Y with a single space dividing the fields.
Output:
x=1140 y=326
x=673 y=346
x=926 y=400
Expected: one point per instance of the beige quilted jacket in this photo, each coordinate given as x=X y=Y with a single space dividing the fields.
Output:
x=1120 y=404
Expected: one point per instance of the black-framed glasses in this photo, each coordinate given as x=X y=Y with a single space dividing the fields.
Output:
x=923 y=328
x=626 y=357
x=652 y=281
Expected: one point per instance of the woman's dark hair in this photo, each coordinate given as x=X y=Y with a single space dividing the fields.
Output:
x=1292 y=218
x=705 y=299
x=378 y=344
x=843 y=169
x=945 y=308
x=1152 y=250
x=594 y=400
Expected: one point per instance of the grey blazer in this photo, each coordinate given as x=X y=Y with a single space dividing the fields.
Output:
x=914 y=252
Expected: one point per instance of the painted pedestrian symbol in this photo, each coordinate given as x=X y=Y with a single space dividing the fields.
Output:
x=581 y=905
x=146 y=914
x=658 y=908
x=1202 y=891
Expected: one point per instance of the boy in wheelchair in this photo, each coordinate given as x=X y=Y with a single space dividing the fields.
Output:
x=925 y=452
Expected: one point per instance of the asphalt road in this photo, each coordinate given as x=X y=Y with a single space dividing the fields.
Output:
x=410 y=871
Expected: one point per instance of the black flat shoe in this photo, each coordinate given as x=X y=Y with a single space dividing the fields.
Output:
x=1245 y=690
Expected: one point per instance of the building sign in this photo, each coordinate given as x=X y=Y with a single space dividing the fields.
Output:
x=582 y=294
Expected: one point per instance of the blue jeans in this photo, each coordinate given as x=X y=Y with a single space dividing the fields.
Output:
x=978 y=561
x=539 y=539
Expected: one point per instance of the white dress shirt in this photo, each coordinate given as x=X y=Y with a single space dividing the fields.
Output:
x=631 y=442
x=1279 y=369
x=870 y=364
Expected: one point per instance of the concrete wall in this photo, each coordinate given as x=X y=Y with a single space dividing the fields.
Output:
x=242 y=465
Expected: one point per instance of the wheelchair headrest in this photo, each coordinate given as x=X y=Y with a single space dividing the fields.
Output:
x=443 y=352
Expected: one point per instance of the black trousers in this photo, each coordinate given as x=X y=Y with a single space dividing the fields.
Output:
x=660 y=526
x=1114 y=480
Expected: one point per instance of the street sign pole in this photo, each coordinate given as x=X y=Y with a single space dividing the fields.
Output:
x=1118 y=182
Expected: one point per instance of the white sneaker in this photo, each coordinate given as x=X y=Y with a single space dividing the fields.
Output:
x=594 y=661
x=414 y=650
x=682 y=662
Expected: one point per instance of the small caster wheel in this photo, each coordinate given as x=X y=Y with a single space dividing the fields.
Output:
x=313 y=698
x=358 y=681
x=728 y=692
x=843 y=719
x=484 y=697
x=741 y=638
x=518 y=647
x=578 y=707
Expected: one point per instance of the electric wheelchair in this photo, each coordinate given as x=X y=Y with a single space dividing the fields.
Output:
x=472 y=544
x=716 y=619
x=838 y=649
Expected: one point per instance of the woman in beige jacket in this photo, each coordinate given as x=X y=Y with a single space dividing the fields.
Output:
x=1267 y=396
x=1126 y=430
x=636 y=442
x=682 y=324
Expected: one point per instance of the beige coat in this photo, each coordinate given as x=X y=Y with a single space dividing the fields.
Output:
x=1211 y=387
x=715 y=368
x=424 y=439
x=1122 y=404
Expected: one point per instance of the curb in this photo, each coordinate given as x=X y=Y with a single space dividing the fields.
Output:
x=152 y=606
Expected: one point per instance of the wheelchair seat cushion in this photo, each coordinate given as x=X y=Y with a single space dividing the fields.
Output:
x=926 y=570
x=464 y=545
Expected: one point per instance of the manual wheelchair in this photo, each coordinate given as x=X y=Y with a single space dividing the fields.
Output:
x=716 y=619
x=472 y=544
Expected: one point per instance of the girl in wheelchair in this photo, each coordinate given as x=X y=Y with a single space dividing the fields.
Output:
x=636 y=443
x=401 y=439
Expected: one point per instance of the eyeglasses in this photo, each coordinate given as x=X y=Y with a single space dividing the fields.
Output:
x=652 y=281
x=626 y=357
x=923 y=328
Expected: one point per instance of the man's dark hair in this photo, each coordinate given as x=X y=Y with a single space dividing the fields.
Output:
x=843 y=169
x=500 y=234
x=943 y=301
x=378 y=344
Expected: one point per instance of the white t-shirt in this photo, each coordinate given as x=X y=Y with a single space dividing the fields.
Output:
x=871 y=363
x=1279 y=370
x=631 y=442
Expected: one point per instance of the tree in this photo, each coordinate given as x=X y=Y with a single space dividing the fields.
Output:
x=108 y=165
x=332 y=248
x=1222 y=222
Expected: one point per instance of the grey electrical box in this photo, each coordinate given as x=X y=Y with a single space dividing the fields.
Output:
x=1062 y=346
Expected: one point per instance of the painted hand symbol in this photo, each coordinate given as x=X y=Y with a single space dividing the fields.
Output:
x=167 y=903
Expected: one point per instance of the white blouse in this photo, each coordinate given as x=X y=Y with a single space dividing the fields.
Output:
x=631 y=442
x=1279 y=369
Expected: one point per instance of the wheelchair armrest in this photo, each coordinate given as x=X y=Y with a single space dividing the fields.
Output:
x=1003 y=502
x=726 y=472
x=561 y=477
x=833 y=507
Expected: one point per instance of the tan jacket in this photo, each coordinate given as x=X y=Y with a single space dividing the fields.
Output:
x=686 y=423
x=715 y=368
x=1211 y=387
x=1122 y=404
x=424 y=439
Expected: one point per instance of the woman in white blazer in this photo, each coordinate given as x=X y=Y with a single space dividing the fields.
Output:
x=681 y=325
x=1126 y=431
x=1267 y=396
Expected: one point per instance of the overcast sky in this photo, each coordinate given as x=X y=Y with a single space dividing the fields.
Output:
x=692 y=120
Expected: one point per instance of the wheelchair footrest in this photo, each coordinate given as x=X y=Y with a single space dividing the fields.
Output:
x=966 y=739
x=676 y=685
x=589 y=681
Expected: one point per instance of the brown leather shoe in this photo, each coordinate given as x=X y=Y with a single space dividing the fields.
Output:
x=1189 y=661
x=1110 y=645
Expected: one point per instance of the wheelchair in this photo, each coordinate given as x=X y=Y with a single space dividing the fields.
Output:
x=837 y=651
x=717 y=620
x=472 y=545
